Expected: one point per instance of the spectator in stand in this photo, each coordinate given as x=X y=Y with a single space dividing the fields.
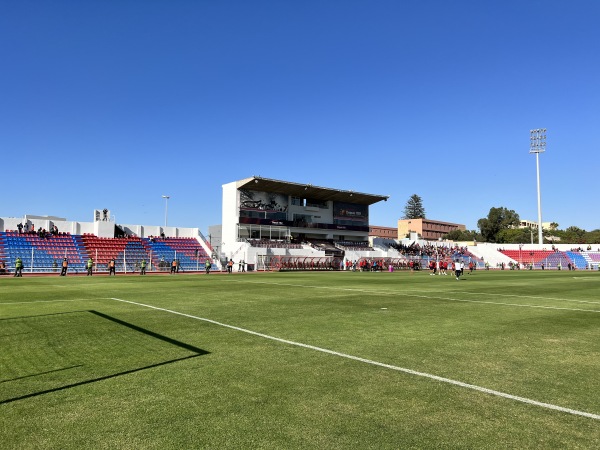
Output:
x=20 y=228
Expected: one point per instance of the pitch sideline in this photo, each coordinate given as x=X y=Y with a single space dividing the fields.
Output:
x=376 y=363
x=431 y=297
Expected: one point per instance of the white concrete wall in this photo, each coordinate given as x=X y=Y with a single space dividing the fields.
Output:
x=100 y=228
x=230 y=219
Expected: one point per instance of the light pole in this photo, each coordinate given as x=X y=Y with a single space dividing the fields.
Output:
x=166 y=197
x=520 y=255
x=537 y=146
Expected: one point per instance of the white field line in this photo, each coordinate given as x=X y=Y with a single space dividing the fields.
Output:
x=49 y=301
x=430 y=297
x=379 y=364
x=521 y=296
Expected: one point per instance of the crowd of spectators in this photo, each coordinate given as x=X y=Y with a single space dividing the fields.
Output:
x=357 y=246
x=42 y=233
x=273 y=243
x=430 y=250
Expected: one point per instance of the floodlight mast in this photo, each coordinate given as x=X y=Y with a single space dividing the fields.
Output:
x=166 y=197
x=537 y=146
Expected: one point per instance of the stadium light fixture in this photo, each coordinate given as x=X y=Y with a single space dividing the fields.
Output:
x=538 y=145
x=166 y=197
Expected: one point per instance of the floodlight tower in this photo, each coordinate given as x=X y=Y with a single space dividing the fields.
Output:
x=537 y=146
x=166 y=197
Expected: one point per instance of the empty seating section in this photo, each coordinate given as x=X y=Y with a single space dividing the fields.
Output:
x=42 y=254
x=127 y=252
x=578 y=259
x=549 y=258
x=556 y=258
x=537 y=257
x=188 y=251
x=3 y=257
x=594 y=256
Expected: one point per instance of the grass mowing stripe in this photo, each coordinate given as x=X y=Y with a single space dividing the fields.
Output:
x=376 y=363
x=93 y=380
x=49 y=301
x=429 y=297
x=527 y=296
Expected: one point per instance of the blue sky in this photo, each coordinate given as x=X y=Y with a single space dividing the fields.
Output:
x=115 y=103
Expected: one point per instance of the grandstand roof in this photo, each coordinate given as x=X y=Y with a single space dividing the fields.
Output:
x=306 y=190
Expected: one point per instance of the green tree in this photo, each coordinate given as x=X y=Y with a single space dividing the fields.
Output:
x=514 y=236
x=575 y=235
x=414 y=208
x=593 y=237
x=498 y=219
x=463 y=235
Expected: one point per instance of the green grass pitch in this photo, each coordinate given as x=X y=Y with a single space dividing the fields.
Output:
x=505 y=359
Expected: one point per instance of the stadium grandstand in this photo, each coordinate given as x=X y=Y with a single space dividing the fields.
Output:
x=266 y=225
x=43 y=242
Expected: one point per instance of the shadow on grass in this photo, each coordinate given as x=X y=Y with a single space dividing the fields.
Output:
x=196 y=352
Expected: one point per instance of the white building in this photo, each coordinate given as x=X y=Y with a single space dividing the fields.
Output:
x=259 y=208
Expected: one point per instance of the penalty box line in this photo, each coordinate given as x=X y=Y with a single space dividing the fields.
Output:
x=376 y=363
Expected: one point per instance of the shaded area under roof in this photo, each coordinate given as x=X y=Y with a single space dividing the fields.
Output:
x=308 y=191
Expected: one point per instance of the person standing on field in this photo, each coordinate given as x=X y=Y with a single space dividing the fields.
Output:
x=65 y=266
x=89 y=266
x=207 y=266
x=458 y=267
x=18 y=267
x=143 y=267
x=112 y=268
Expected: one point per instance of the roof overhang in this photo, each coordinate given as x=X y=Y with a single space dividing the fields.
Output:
x=305 y=190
